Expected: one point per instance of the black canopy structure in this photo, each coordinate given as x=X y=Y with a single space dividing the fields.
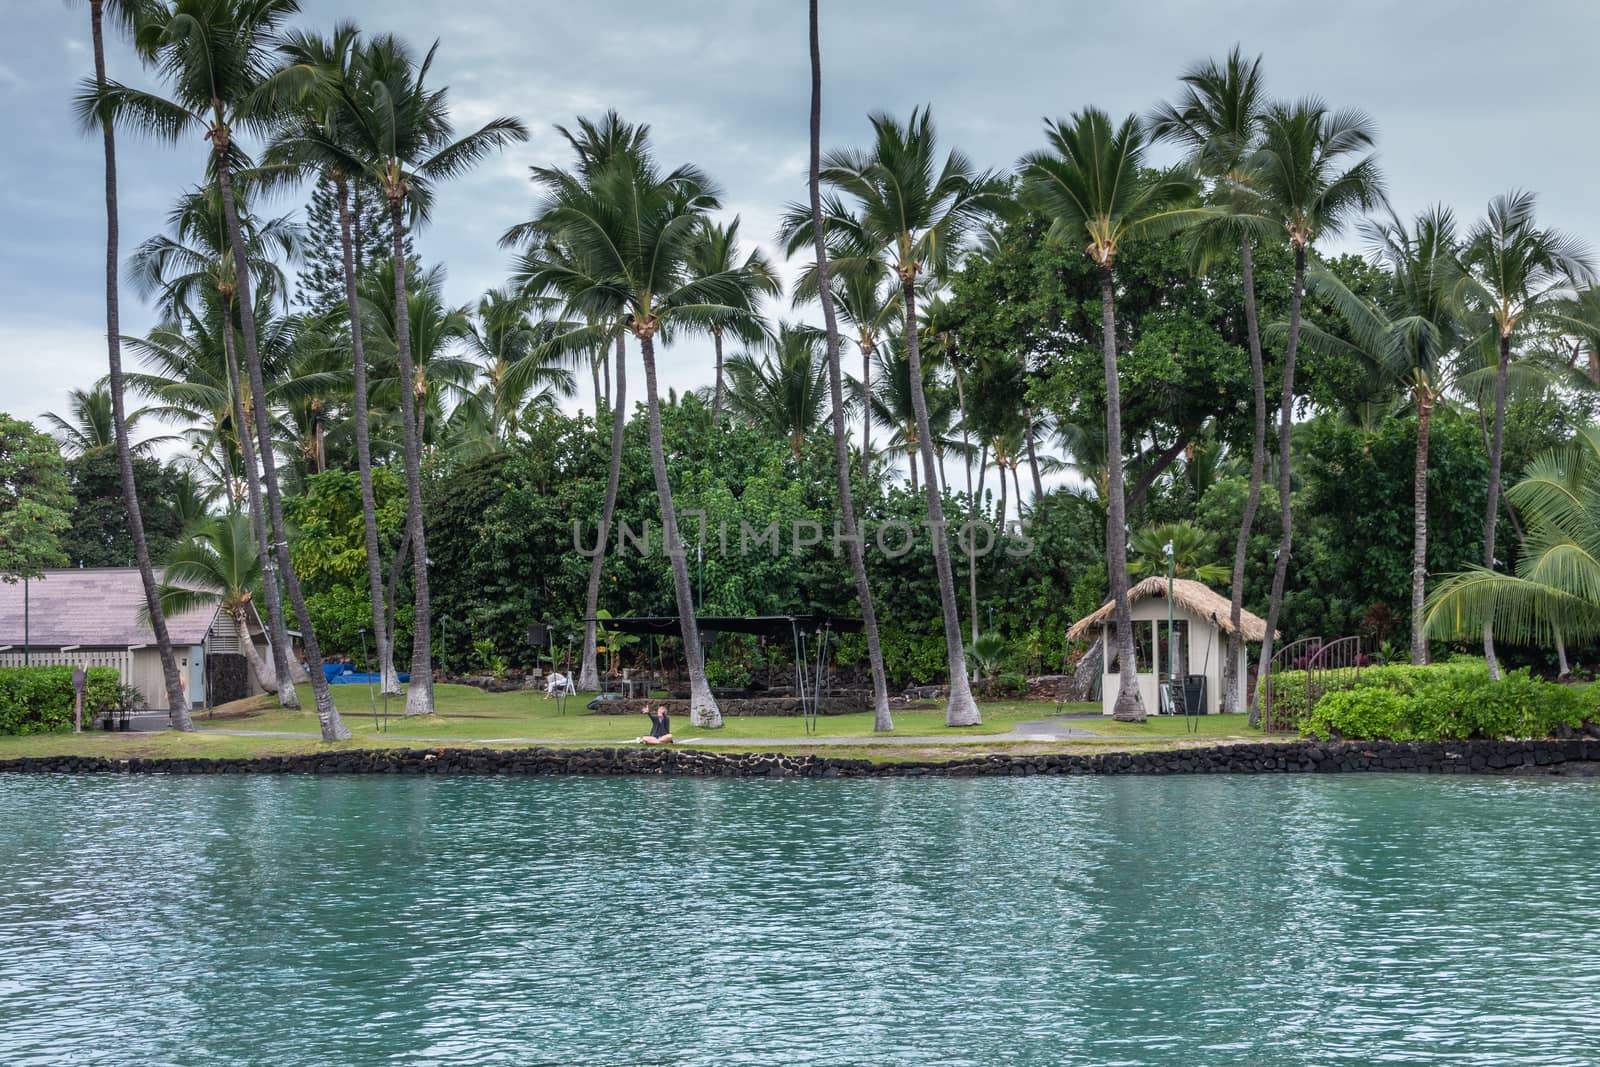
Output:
x=811 y=635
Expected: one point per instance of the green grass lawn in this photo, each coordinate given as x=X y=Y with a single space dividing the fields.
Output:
x=466 y=714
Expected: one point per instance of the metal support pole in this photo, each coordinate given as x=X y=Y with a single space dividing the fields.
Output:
x=1174 y=683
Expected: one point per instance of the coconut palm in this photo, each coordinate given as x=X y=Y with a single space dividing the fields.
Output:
x=525 y=364
x=893 y=408
x=89 y=427
x=1411 y=336
x=783 y=386
x=1218 y=119
x=317 y=138
x=126 y=14
x=866 y=297
x=1552 y=596
x=1516 y=276
x=217 y=58
x=398 y=131
x=623 y=232
x=716 y=253
x=596 y=145
x=918 y=212
x=442 y=373
x=219 y=564
x=1092 y=185
x=881 y=720
x=1313 y=173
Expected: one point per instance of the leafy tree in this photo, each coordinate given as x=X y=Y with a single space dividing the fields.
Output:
x=98 y=535
x=34 y=498
x=1090 y=185
x=319 y=282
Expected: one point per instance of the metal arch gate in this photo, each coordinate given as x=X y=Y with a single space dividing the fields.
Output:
x=1278 y=714
x=1336 y=665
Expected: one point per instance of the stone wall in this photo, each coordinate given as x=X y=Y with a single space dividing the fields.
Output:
x=1575 y=757
x=734 y=708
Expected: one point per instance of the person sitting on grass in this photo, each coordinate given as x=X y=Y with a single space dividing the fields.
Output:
x=660 y=726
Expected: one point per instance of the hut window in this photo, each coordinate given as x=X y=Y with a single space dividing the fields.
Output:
x=1143 y=648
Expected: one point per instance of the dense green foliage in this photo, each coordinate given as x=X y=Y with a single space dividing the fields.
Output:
x=1447 y=702
x=39 y=700
x=98 y=535
x=33 y=500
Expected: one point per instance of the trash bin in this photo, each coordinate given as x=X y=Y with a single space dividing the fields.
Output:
x=1194 y=694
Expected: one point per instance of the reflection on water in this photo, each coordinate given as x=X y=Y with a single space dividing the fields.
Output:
x=1190 y=921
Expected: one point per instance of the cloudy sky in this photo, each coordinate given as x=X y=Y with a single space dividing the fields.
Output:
x=1471 y=97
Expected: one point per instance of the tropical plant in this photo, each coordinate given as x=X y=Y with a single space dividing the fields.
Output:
x=219 y=564
x=881 y=720
x=127 y=14
x=716 y=254
x=1218 y=119
x=90 y=425
x=1193 y=552
x=396 y=131
x=1411 y=337
x=217 y=58
x=1092 y=185
x=615 y=239
x=1306 y=181
x=1516 y=273
x=783 y=389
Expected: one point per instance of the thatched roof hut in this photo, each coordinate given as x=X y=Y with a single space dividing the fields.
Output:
x=1195 y=598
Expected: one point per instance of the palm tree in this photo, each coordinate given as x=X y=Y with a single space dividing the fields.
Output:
x=864 y=294
x=318 y=139
x=1410 y=336
x=1092 y=185
x=127 y=14
x=219 y=564
x=1192 y=552
x=398 y=130
x=1516 y=275
x=1305 y=181
x=89 y=426
x=881 y=720
x=625 y=232
x=597 y=145
x=919 y=212
x=893 y=406
x=1552 y=595
x=216 y=56
x=783 y=390
x=716 y=253
x=522 y=360
x=1218 y=119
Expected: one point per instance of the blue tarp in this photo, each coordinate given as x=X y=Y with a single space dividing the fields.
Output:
x=358 y=679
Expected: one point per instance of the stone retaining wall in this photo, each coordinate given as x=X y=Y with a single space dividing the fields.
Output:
x=744 y=707
x=1574 y=757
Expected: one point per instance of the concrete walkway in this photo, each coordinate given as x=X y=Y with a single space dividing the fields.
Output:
x=1042 y=730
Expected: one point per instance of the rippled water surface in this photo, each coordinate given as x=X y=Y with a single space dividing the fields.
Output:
x=1194 y=921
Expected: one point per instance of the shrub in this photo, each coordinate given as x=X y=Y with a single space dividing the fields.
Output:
x=39 y=700
x=1449 y=702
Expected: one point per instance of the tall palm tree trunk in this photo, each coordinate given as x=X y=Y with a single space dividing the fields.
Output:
x=283 y=671
x=962 y=709
x=382 y=640
x=1000 y=469
x=264 y=674
x=419 y=692
x=1128 y=707
x=972 y=513
x=177 y=698
x=1233 y=696
x=589 y=674
x=333 y=727
x=1496 y=454
x=716 y=395
x=1280 y=571
x=1419 y=535
x=703 y=710
x=881 y=719
x=866 y=411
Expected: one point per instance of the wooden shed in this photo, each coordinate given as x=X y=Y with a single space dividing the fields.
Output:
x=90 y=617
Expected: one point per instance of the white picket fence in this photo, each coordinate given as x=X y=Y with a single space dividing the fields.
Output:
x=119 y=660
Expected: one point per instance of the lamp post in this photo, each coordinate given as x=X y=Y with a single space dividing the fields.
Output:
x=1173 y=681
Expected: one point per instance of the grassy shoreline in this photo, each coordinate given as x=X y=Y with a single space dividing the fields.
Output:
x=471 y=718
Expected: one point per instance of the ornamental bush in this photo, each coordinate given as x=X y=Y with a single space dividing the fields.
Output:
x=38 y=700
x=1450 y=702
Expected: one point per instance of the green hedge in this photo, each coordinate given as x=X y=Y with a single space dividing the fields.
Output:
x=39 y=700
x=1449 y=702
